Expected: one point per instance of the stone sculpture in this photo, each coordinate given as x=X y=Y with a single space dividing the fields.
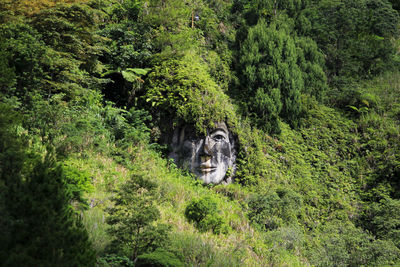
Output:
x=209 y=157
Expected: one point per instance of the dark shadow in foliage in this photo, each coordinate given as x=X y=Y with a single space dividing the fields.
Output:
x=126 y=86
x=7 y=78
x=117 y=90
x=395 y=5
x=128 y=46
x=355 y=102
x=38 y=225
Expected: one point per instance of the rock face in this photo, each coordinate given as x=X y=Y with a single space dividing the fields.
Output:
x=209 y=157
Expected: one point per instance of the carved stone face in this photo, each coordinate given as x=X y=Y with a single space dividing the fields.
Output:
x=208 y=157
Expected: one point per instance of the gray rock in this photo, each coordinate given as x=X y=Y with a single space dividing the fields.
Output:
x=209 y=157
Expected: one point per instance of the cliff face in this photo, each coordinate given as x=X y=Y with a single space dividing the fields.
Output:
x=255 y=134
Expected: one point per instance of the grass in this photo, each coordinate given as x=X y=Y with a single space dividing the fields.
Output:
x=317 y=162
x=176 y=189
x=106 y=176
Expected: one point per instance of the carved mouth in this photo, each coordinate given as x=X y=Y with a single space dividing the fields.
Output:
x=206 y=168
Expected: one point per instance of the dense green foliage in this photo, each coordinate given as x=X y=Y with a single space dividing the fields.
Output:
x=131 y=219
x=205 y=214
x=158 y=258
x=38 y=223
x=271 y=74
x=356 y=36
x=91 y=90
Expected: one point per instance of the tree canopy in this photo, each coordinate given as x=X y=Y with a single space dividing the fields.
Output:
x=91 y=92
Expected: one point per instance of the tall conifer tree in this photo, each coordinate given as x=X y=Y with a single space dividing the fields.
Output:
x=270 y=75
x=39 y=225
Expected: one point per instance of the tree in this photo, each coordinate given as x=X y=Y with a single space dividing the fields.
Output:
x=311 y=62
x=132 y=217
x=73 y=48
x=24 y=54
x=55 y=52
x=256 y=10
x=355 y=35
x=395 y=4
x=40 y=226
x=7 y=79
x=270 y=76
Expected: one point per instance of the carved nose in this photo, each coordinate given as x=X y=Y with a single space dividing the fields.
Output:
x=207 y=146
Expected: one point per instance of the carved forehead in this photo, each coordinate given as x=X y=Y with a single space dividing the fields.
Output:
x=189 y=131
x=220 y=126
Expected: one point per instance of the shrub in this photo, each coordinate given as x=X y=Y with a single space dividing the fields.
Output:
x=174 y=89
x=78 y=181
x=158 y=258
x=383 y=219
x=275 y=209
x=342 y=244
x=132 y=219
x=204 y=213
x=114 y=261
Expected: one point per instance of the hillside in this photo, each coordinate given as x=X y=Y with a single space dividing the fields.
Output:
x=96 y=95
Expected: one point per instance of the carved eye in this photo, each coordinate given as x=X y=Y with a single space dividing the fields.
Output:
x=219 y=137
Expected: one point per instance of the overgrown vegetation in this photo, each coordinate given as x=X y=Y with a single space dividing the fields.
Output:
x=90 y=91
x=205 y=214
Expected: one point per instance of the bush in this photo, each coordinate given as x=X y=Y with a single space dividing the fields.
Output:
x=342 y=244
x=175 y=91
x=159 y=258
x=204 y=213
x=114 y=261
x=383 y=219
x=275 y=209
x=77 y=181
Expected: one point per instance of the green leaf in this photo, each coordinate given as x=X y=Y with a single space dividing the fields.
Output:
x=109 y=72
x=133 y=74
x=139 y=71
x=353 y=108
x=129 y=76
